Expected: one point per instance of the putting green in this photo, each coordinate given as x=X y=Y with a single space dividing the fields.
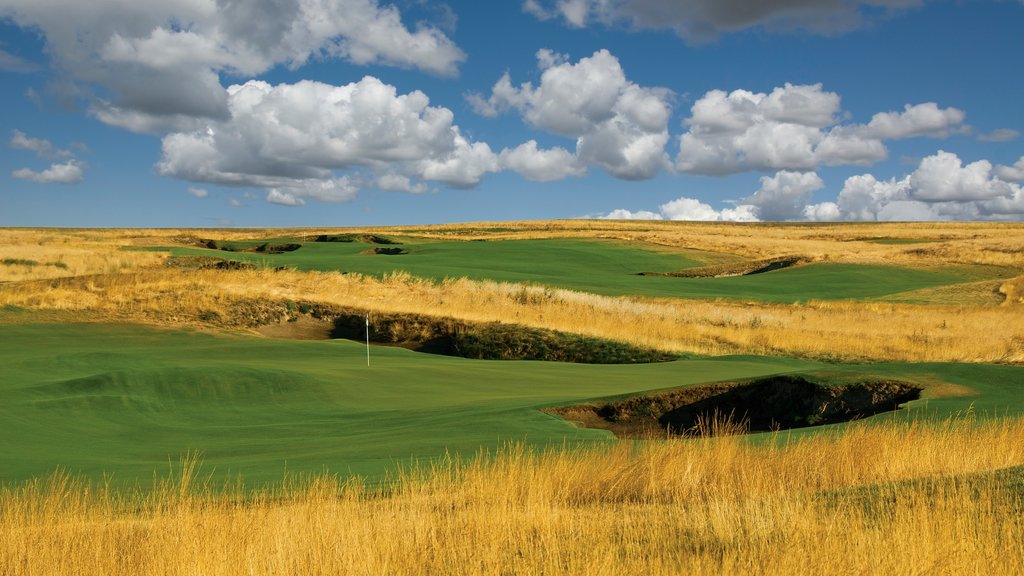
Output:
x=598 y=266
x=124 y=401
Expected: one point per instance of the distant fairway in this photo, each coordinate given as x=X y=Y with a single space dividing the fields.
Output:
x=601 y=267
x=125 y=400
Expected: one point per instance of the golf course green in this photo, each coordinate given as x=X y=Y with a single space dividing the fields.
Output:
x=122 y=402
x=599 y=266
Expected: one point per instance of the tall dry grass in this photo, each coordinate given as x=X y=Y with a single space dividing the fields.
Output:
x=959 y=323
x=27 y=254
x=824 y=330
x=902 y=498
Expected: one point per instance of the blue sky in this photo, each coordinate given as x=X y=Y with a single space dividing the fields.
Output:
x=185 y=113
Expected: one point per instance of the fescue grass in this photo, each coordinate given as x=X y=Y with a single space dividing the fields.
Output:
x=904 y=498
x=848 y=331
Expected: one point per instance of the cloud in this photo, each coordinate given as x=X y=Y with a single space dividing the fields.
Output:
x=541 y=165
x=334 y=190
x=161 y=61
x=399 y=183
x=784 y=196
x=70 y=172
x=291 y=138
x=622 y=214
x=689 y=209
x=701 y=20
x=795 y=127
x=42 y=148
x=823 y=212
x=618 y=125
x=198 y=192
x=1013 y=173
x=1000 y=135
x=12 y=63
x=941 y=188
x=921 y=120
x=943 y=178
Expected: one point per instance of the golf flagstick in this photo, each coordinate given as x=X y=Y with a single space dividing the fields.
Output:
x=367 y=340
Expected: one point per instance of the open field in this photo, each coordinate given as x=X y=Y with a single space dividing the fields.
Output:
x=125 y=351
x=903 y=498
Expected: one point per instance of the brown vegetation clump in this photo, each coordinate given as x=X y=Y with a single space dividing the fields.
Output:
x=899 y=498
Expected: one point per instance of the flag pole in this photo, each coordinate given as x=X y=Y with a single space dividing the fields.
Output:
x=367 y=340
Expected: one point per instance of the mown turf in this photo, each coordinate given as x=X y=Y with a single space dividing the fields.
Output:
x=602 y=267
x=126 y=401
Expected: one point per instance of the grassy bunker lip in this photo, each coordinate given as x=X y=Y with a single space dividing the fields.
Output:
x=762 y=405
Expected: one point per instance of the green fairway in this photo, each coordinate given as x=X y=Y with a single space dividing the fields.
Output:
x=126 y=400
x=602 y=267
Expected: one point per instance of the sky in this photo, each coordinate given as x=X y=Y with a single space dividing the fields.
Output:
x=216 y=113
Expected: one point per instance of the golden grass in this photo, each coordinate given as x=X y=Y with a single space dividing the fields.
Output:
x=898 y=498
x=955 y=323
x=829 y=330
x=62 y=253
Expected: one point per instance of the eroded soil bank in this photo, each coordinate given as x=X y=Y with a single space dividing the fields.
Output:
x=451 y=337
x=775 y=403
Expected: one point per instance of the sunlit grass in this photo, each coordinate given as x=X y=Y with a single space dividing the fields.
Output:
x=935 y=498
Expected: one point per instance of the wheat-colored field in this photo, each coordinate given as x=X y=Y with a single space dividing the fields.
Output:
x=973 y=322
x=901 y=498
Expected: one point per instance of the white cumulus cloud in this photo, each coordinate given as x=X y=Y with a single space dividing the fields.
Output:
x=618 y=125
x=690 y=209
x=161 y=60
x=1013 y=173
x=541 y=165
x=43 y=148
x=399 y=183
x=784 y=196
x=941 y=188
x=623 y=214
x=795 y=127
x=293 y=137
x=70 y=172
x=944 y=178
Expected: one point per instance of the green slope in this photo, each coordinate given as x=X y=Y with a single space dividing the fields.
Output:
x=602 y=267
x=125 y=400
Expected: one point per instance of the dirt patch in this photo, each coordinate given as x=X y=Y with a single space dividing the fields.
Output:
x=265 y=248
x=775 y=403
x=386 y=251
x=447 y=336
x=490 y=341
x=746 y=268
x=206 y=263
x=363 y=238
x=299 y=328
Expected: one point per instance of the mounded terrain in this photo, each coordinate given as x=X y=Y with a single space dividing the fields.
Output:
x=541 y=397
